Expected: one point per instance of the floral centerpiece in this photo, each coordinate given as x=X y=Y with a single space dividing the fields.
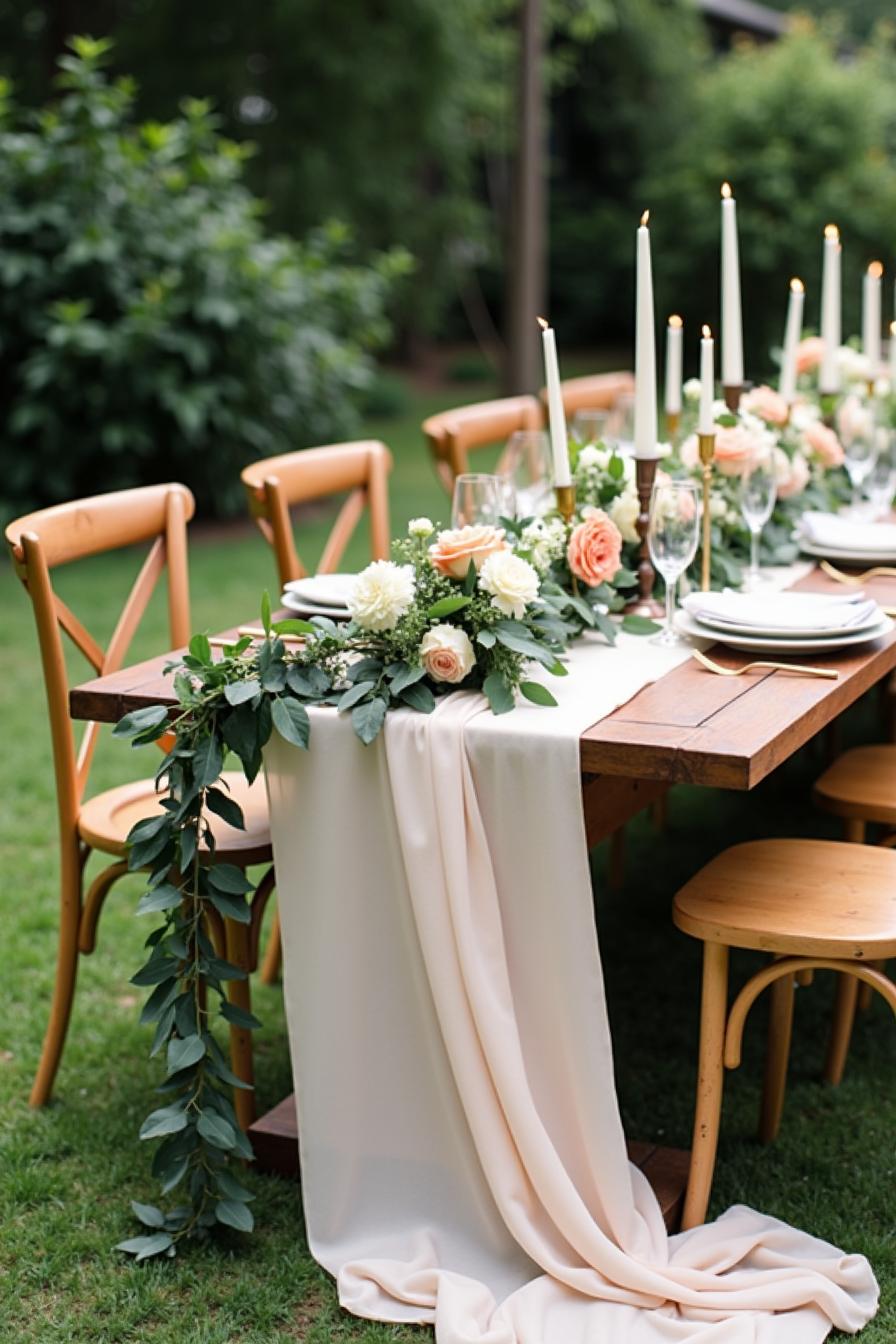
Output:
x=471 y=608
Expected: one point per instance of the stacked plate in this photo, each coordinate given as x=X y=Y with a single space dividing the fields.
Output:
x=319 y=595
x=783 y=622
x=847 y=539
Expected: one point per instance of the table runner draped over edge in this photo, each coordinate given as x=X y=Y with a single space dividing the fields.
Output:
x=462 y=1153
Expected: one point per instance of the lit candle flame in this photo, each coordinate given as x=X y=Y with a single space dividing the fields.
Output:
x=797 y=285
x=545 y=326
x=876 y=270
x=675 y=320
x=726 y=191
x=707 y=334
x=831 y=231
x=644 y=219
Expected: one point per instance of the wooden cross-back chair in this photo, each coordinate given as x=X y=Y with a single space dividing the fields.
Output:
x=39 y=543
x=276 y=484
x=595 y=392
x=453 y=435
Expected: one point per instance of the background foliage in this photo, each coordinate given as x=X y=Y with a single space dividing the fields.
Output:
x=150 y=328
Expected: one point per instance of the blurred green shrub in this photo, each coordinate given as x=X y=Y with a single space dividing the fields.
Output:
x=806 y=137
x=149 y=327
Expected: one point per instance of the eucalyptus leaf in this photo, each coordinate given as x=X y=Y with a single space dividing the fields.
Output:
x=639 y=625
x=368 y=719
x=140 y=720
x=148 y=1214
x=166 y=1120
x=217 y=801
x=240 y=1017
x=234 y=1213
x=499 y=693
x=406 y=675
x=447 y=606
x=238 y=692
x=354 y=694
x=216 y=1131
x=145 y=1247
x=419 y=697
x=183 y=1053
x=291 y=720
x=227 y=877
x=231 y=907
x=538 y=694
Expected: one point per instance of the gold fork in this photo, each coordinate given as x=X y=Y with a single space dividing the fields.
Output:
x=856 y=580
x=800 y=668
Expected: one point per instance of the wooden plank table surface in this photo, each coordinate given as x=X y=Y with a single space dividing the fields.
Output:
x=688 y=727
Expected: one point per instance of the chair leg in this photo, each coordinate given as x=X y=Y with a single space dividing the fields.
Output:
x=710 y=1081
x=616 y=866
x=854 y=830
x=866 y=993
x=841 y=1029
x=64 y=988
x=777 y=1055
x=273 y=952
x=239 y=993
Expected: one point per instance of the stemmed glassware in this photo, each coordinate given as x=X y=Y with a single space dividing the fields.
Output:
x=880 y=485
x=590 y=426
x=672 y=532
x=481 y=499
x=858 y=434
x=526 y=468
x=758 y=491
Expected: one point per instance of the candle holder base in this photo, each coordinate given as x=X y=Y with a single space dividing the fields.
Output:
x=644 y=604
x=650 y=608
x=707 y=445
x=565 y=496
x=732 y=394
x=673 y=424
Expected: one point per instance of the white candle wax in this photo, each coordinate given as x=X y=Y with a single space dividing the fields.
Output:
x=792 y=331
x=732 y=330
x=892 y=353
x=674 y=334
x=871 y=295
x=556 y=413
x=645 y=350
x=705 y=422
x=829 y=377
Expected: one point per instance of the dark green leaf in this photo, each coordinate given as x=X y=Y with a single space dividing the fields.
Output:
x=499 y=693
x=145 y=1247
x=188 y=844
x=234 y=1214
x=147 y=828
x=291 y=721
x=224 y=970
x=310 y=681
x=224 y=806
x=405 y=676
x=616 y=467
x=143 y=852
x=446 y=606
x=538 y=694
x=227 y=877
x=183 y=1053
x=216 y=1131
x=155 y=971
x=639 y=625
x=176 y=1173
x=161 y=998
x=238 y=1016
x=368 y=719
x=240 y=730
x=148 y=1214
x=166 y=1120
x=141 y=720
x=164 y=897
x=356 y=693
x=266 y=611
x=185 y=1014
x=200 y=649
x=231 y=1189
x=293 y=626
x=231 y=907
x=470 y=579
x=419 y=697
x=208 y=761
x=238 y=692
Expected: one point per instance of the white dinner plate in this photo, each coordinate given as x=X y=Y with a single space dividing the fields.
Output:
x=687 y=625
x=784 y=633
x=861 y=559
x=301 y=608
x=323 y=590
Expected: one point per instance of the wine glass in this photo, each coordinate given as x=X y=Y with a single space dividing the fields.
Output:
x=855 y=421
x=672 y=533
x=880 y=485
x=620 y=426
x=590 y=426
x=526 y=468
x=758 y=491
x=478 y=499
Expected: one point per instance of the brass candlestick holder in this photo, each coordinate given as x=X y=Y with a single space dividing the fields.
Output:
x=673 y=424
x=732 y=393
x=565 y=496
x=645 y=604
x=707 y=446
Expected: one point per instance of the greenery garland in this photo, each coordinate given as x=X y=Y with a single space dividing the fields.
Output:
x=233 y=704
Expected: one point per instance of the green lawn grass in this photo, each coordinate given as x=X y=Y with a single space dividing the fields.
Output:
x=67 y=1173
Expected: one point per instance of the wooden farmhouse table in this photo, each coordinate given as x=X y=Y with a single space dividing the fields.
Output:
x=688 y=727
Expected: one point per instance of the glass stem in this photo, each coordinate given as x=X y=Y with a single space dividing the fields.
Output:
x=754 y=554
x=670 y=602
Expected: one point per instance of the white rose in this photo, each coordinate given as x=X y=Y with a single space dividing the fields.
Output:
x=446 y=653
x=545 y=541
x=421 y=527
x=853 y=365
x=590 y=456
x=512 y=582
x=692 y=389
x=718 y=507
x=381 y=595
x=802 y=415
x=624 y=512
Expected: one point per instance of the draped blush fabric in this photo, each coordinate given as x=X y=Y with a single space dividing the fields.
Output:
x=463 y=1160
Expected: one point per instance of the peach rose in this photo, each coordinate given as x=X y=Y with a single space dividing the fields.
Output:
x=768 y=404
x=456 y=547
x=809 y=354
x=734 y=448
x=446 y=653
x=791 y=474
x=595 y=548
x=823 y=442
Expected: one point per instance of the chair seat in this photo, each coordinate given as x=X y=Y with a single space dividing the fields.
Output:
x=105 y=820
x=814 y=898
x=861 y=783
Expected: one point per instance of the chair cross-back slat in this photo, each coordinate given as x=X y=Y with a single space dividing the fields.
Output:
x=66 y=532
x=276 y=484
x=452 y=435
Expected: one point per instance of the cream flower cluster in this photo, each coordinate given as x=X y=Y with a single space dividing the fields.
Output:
x=511 y=581
x=545 y=541
x=381 y=594
x=592 y=466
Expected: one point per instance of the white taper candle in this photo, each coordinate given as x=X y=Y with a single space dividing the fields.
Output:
x=732 y=329
x=556 y=413
x=829 y=377
x=871 y=294
x=674 y=336
x=705 y=420
x=792 y=332
x=645 y=349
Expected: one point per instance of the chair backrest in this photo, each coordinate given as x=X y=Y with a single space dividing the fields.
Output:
x=596 y=392
x=275 y=484
x=55 y=536
x=453 y=435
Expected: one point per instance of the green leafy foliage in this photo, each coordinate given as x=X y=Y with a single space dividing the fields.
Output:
x=150 y=328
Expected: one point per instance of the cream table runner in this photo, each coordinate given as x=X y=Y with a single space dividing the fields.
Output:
x=463 y=1160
